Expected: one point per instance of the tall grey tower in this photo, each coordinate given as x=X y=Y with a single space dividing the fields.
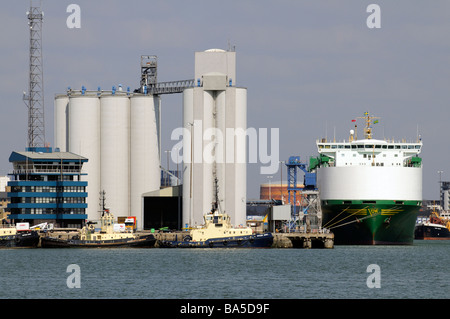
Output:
x=35 y=96
x=214 y=148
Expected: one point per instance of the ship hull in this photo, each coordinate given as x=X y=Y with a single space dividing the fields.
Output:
x=145 y=241
x=374 y=223
x=253 y=241
x=25 y=239
x=431 y=232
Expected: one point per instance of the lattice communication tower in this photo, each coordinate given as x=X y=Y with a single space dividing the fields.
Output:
x=34 y=99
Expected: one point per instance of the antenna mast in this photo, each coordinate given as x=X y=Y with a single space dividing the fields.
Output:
x=35 y=97
x=368 y=129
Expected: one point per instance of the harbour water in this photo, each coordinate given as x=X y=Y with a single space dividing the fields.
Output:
x=417 y=271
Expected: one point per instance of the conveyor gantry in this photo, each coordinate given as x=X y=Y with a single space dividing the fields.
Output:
x=149 y=83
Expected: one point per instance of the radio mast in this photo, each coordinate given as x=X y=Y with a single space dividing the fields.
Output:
x=34 y=99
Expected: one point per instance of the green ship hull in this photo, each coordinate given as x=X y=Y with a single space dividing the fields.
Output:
x=370 y=222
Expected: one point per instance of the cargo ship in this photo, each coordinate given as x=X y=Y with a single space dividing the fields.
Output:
x=437 y=228
x=370 y=189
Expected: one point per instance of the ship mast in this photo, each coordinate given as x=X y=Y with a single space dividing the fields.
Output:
x=368 y=119
x=215 y=203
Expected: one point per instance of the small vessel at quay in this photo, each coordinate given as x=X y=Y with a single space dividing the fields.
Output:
x=218 y=232
x=19 y=235
x=105 y=238
x=438 y=228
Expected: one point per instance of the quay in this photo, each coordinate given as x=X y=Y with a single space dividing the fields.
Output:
x=280 y=240
x=305 y=240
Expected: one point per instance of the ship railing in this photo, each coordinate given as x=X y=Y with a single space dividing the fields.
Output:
x=40 y=171
x=5 y=226
x=303 y=230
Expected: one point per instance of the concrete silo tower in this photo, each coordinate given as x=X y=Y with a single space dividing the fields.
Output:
x=215 y=115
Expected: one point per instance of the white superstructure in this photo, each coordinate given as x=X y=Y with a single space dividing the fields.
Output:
x=369 y=169
x=370 y=152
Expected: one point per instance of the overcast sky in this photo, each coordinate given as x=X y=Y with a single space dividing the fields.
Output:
x=310 y=67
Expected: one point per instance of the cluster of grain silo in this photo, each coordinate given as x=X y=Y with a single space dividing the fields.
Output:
x=117 y=132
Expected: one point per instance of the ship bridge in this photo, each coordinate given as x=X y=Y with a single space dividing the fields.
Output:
x=369 y=152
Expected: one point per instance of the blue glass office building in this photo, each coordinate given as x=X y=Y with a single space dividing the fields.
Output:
x=47 y=186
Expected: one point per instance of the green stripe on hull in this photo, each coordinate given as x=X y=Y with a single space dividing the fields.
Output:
x=371 y=222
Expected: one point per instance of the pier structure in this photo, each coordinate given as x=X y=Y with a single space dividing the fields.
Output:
x=304 y=240
x=309 y=203
x=280 y=240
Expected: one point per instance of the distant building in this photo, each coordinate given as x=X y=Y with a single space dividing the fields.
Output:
x=3 y=205
x=445 y=195
x=46 y=186
x=3 y=183
x=274 y=191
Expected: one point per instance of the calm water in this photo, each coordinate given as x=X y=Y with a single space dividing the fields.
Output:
x=418 y=271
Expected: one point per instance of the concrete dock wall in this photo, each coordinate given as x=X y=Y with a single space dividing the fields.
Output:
x=280 y=240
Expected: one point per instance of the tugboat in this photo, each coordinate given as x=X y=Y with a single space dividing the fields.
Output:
x=437 y=228
x=19 y=235
x=106 y=237
x=217 y=232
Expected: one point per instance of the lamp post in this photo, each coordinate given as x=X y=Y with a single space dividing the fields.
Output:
x=281 y=172
x=270 y=190
x=168 y=169
x=178 y=190
x=191 y=208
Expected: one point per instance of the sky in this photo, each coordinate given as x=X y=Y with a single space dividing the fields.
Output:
x=310 y=67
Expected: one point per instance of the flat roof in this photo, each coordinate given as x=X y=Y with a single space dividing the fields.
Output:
x=41 y=156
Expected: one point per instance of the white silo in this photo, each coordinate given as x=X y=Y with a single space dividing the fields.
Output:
x=198 y=118
x=115 y=151
x=220 y=165
x=207 y=153
x=188 y=155
x=144 y=152
x=240 y=157
x=61 y=118
x=84 y=140
x=214 y=104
